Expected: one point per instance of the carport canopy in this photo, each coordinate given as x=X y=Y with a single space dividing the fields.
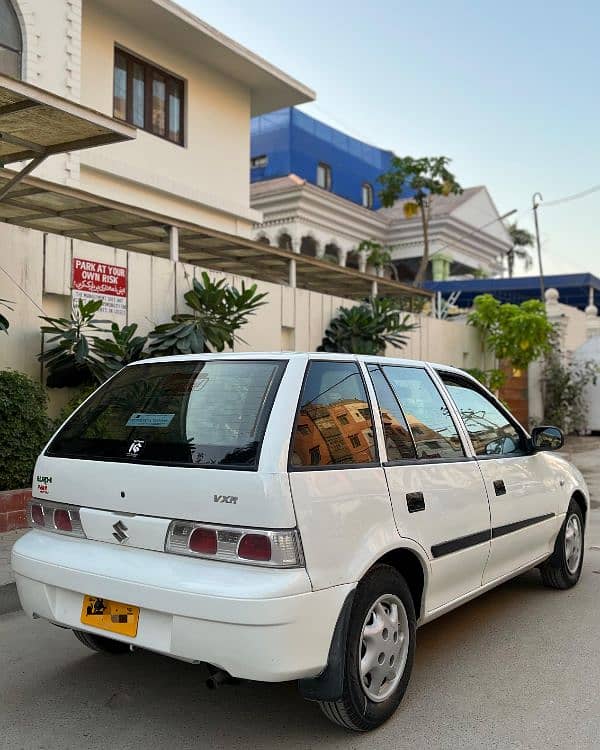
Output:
x=35 y=123
x=49 y=207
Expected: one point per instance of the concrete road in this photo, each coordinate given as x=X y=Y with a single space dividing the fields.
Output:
x=517 y=668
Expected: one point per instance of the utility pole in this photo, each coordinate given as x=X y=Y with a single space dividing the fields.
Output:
x=534 y=201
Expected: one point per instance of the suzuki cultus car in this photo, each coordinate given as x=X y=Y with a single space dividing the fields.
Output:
x=291 y=517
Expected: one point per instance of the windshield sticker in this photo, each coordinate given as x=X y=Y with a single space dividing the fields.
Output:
x=135 y=448
x=149 y=420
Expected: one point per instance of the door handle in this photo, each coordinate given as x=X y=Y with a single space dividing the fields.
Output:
x=415 y=502
x=499 y=487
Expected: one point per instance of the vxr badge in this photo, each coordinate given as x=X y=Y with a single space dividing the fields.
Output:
x=120 y=532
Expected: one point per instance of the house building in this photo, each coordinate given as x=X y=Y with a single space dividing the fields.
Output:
x=317 y=190
x=178 y=185
x=188 y=89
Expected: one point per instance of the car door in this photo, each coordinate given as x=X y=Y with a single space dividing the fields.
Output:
x=436 y=488
x=523 y=493
x=338 y=485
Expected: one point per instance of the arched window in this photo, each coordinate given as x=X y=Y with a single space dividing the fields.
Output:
x=367 y=195
x=332 y=253
x=285 y=241
x=308 y=246
x=11 y=41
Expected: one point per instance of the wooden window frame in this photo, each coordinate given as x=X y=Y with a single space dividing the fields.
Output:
x=150 y=70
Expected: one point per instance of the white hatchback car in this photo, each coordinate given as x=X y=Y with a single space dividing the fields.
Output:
x=291 y=517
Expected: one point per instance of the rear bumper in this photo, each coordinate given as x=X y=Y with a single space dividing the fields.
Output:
x=255 y=623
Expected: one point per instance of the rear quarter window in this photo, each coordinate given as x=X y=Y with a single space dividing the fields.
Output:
x=197 y=413
x=334 y=425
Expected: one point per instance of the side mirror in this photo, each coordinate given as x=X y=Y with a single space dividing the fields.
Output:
x=547 y=439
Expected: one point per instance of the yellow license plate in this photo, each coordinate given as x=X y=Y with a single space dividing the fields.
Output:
x=113 y=616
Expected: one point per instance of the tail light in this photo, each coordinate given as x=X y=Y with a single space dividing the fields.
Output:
x=274 y=549
x=36 y=513
x=62 y=519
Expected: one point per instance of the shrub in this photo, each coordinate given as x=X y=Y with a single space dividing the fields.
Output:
x=368 y=328
x=564 y=387
x=218 y=312
x=516 y=334
x=69 y=358
x=24 y=428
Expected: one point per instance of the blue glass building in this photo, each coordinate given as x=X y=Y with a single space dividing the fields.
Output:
x=289 y=141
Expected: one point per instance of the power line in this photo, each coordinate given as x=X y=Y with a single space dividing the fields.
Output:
x=29 y=297
x=568 y=198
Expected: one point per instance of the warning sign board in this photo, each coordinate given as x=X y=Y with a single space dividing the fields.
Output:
x=94 y=280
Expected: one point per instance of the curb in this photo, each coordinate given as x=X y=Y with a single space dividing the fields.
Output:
x=9 y=599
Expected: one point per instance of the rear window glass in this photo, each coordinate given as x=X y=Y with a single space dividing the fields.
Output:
x=193 y=413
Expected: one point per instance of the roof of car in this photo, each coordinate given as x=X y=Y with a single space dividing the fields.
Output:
x=297 y=355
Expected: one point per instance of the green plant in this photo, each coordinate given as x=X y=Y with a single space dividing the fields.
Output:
x=368 y=328
x=493 y=379
x=521 y=239
x=219 y=311
x=564 y=390
x=378 y=255
x=424 y=177
x=4 y=324
x=517 y=334
x=24 y=428
x=72 y=361
x=115 y=353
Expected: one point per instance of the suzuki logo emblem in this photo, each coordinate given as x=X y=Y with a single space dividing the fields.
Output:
x=120 y=532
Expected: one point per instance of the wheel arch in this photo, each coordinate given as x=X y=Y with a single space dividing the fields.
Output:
x=581 y=500
x=413 y=568
x=412 y=565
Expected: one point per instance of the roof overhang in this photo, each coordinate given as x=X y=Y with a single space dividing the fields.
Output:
x=35 y=124
x=58 y=209
x=270 y=87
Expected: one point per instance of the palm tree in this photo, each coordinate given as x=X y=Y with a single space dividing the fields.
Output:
x=521 y=239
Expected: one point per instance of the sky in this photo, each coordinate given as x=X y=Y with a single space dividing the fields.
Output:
x=509 y=91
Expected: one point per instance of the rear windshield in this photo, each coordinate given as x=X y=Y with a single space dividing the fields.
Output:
x=193 y=413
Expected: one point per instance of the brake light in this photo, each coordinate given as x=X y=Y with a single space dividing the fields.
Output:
x=37 y=514
x=275 y=549
x=62 y=521
x=255 y=547
x=56 y=517
x=203 y=541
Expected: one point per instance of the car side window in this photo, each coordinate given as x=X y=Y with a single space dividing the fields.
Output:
x=334 y=423
x=432 y=427
x=491 y=432
x=398 y=440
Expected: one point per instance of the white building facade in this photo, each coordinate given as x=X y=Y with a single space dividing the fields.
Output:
x=466 y=235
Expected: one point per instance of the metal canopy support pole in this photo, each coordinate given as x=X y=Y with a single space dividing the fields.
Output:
x=374 y=289
x=292 y=273
x=174 y=244
x=20 y=175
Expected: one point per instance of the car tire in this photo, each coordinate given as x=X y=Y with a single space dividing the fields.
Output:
x=100 y=644
x=562 y=569
x=380 y=648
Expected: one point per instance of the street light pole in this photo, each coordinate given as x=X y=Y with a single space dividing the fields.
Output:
x=535 y=203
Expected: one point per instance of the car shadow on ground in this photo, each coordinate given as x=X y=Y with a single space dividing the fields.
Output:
x=141 y=695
